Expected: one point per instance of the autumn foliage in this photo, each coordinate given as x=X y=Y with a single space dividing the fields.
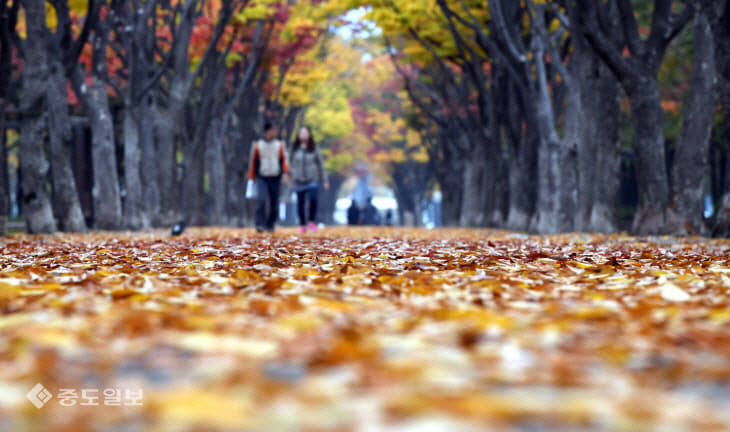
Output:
x=448 y=329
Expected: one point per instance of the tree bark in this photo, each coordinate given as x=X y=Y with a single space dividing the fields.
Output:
x=238 y=208
x=4 y=186
x=566 y=170
x=216 y=169
x=105 y=192
x=409 y=181
x=326 y=205
x=719 y=14
x=148 y=167
x=722 y=218
x=33 y=165
x=173 y=130
x=167 y=164
x=522 y=187
x=690 y=164
x=500 y=190
x=598 y=150
x=8 y=16
x=651 y=173
x=522 y=145
x=448 y=174
x=135 y=216
x=236 y=178
x=193 y=183
x=476 y=184
x=556 y=156
x=65 y=195
x=602 y=124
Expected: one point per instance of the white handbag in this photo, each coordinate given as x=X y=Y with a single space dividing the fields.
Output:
x=250 y=189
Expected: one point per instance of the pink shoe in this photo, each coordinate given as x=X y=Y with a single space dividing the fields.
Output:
x=312 y=227
x=302 y=229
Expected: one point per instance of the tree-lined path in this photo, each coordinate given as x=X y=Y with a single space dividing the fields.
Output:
x=366 y=330
x=540 y=116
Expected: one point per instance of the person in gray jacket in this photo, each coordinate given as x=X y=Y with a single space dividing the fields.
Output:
x=307 y=168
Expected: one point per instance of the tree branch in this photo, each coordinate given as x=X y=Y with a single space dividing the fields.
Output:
x=630 y=27
x=599 y=41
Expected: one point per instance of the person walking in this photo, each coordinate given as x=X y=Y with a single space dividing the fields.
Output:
x=361 y=196
x=268 y=165
x=308 y=171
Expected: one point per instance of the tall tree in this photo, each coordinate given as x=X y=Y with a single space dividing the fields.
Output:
x=8 y=20
x=598 y=159
x=718 y=12
x=690 y=165
x=95 y=100
x=63 y=53
x=33 y=162
x=636 y=70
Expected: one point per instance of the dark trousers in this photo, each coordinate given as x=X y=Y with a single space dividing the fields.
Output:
x=267 y=189
x=304 y=195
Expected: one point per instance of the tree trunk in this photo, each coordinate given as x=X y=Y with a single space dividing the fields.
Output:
x=721 y=35
x=556 y=157
x=236 y=178
x=167 y=165
x=449 y=175
x=6 y=68
x=326 y=205
x=238 y=208
x=450 y=201
x=107 y=204
x=34 y=105
x=690 y=165
x=171 y=126
x=193 y=183
x=722 y=218
x=567 y=162
x=65 y=195
x=216 y=169
x=105 y=192
x=497 y=219
x=523 y=143
x=82 y=167
x=598 y=150
x=4 y=186
x=107 y=199
x=409 y=185
x=521 y=188
x=545 y=218
x=148 y=167
x=475 y=208
x=635 y=60
x=135 y=216
x=651 y=172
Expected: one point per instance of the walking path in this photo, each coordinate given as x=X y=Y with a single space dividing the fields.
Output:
x=364 y=329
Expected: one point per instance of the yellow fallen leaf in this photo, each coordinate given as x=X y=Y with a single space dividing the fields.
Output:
x=8 y=290
x=200 y=407
x=720 y=316
x=303 y=321
x=212 y=342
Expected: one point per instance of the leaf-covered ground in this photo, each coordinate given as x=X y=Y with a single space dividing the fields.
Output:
x=367 y=330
